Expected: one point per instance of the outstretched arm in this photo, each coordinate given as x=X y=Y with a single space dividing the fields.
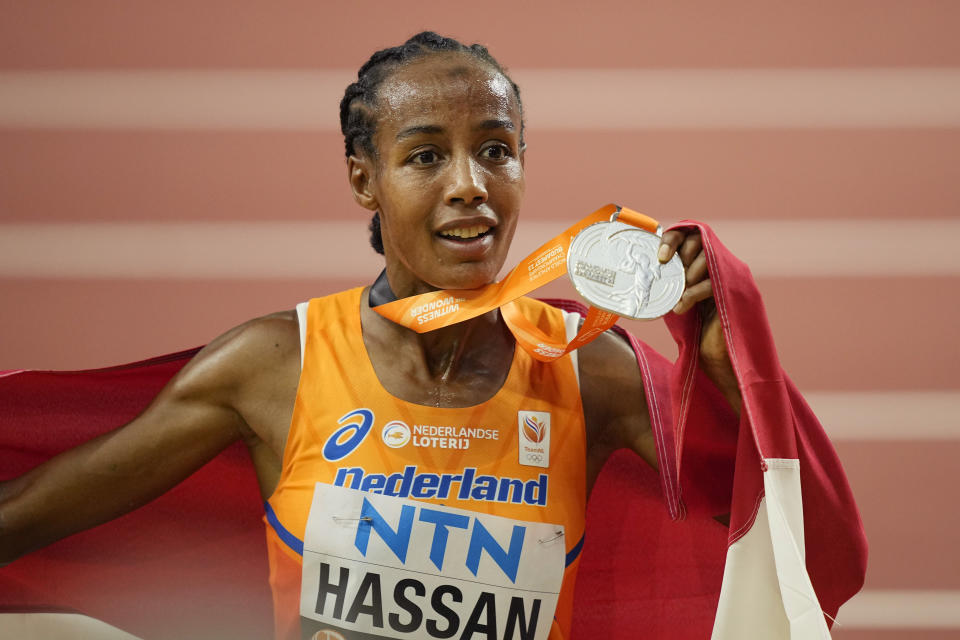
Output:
x=198 y=414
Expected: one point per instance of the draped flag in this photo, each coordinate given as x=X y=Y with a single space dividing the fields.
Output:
x=193 y=562
x=795 y=549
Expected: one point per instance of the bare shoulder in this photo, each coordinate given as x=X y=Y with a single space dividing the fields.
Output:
x=236 y=359
x=253 y=370
x=607 y=358
x=614 y=401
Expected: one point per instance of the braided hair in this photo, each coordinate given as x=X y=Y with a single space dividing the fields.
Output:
x=357 y=108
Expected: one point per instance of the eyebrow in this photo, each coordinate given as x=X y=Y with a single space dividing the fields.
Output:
x=486 y=125
x=495 y=124
x=413 y=131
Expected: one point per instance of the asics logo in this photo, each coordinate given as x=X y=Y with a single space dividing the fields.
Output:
x=343 y=441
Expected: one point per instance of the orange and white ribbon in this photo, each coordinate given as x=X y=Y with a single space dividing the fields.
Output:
x=437 y=309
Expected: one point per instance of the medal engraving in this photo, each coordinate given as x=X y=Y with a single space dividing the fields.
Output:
x=615 y=267
x=595 y=272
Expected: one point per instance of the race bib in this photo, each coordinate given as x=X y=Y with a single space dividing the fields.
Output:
x=377 y=566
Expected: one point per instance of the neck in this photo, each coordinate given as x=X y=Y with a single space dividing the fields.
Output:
x=445 y=352
x=380 y=291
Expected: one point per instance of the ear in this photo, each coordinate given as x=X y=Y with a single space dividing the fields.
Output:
x=360 y=174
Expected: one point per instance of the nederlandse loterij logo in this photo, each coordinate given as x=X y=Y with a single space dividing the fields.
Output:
x=534 y=442
x=395 y=434
x=449 y=436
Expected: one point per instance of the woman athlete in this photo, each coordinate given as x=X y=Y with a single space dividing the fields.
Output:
x=434 y=137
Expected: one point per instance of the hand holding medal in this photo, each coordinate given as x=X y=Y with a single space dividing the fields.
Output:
x=688 y=246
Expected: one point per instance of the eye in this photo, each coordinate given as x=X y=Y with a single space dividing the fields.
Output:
x=496 y=152
x=426 y=156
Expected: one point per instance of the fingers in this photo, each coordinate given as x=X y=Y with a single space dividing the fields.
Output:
x=669 y=243
x=687 y=245
x=697 y=269
x=691 y=248
x=693 y=294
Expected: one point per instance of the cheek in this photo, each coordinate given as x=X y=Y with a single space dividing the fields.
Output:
x=403 y=236
x=393 y=233
x=402 y=189
x=515 y=177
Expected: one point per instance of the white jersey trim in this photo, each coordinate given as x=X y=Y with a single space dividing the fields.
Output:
x=302 y=321
x=571 y=322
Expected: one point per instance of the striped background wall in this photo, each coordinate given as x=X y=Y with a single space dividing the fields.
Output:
x=169 y=169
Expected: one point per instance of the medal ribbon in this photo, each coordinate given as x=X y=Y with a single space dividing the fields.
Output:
x=438 y=309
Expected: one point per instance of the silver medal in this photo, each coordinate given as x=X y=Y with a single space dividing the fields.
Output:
x=615 y=267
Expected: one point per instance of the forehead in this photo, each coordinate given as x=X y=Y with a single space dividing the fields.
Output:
x=444 y=87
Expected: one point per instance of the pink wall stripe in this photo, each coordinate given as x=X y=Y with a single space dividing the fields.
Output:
x=289 y=249
x=605 y=99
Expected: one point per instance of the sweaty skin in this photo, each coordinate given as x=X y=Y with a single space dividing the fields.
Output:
x=449 y=157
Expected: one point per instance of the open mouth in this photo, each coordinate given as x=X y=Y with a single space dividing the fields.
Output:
x=466 y=234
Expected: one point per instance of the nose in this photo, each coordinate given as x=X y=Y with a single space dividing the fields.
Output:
x=466 y=183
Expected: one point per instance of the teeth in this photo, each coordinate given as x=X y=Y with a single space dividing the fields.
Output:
x=466 y=232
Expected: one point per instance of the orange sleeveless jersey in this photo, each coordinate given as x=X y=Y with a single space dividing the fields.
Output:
x=459 y=445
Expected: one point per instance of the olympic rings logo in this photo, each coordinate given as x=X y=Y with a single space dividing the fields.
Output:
x=534 y=457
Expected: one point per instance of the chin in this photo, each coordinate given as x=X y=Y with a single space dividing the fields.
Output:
x=472 y=277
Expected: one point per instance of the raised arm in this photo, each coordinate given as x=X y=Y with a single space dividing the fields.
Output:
x=698 y=298
x=202 y=410
x=614 y=402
